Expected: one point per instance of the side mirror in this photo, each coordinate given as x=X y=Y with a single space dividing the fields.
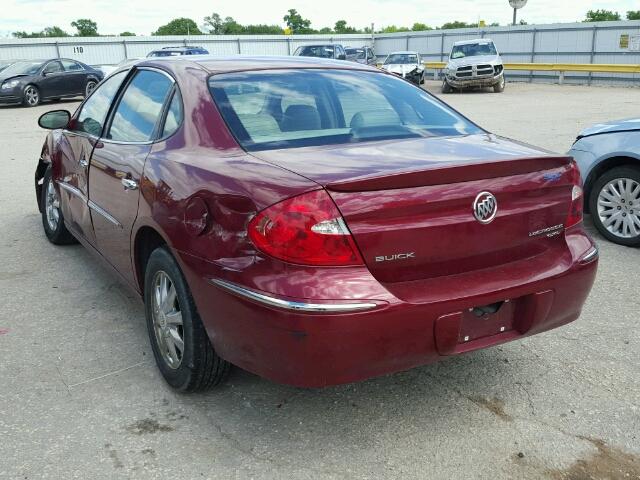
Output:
x=54 y=119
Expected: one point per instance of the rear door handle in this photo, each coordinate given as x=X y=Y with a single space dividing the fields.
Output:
x=129 y=184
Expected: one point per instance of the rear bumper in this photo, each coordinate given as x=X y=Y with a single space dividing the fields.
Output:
x=310 y=348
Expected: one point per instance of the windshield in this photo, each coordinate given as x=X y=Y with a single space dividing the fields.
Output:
x=22 y=68
x=473 y=50
x=401 y=59
x=295 y=108
x=321 y=51
x=358 y=53
x=164 y=53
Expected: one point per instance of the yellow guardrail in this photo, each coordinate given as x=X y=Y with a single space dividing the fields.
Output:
x=558 y=67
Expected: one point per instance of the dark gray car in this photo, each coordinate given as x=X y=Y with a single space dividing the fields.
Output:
x=323 y=50
x=363 y=55
x=31 y=81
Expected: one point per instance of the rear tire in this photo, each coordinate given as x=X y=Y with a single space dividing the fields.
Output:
x=446 y=88
x=89 y=87
x=52 y=218
x=179 y=341
x=499 y=87
x=611 y=210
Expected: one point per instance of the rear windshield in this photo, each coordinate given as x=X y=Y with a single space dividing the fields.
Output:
x=295 y=108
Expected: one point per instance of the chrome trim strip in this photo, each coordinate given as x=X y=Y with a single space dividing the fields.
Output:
x=591 y=255
x=71 y=189
x=288 y=305
x=98 y=209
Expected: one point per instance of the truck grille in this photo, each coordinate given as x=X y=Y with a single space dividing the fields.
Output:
x=468 y=71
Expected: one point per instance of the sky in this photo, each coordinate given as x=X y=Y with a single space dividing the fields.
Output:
x=144 y=16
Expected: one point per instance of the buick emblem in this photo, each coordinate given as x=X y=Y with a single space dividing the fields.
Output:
x=485 y=207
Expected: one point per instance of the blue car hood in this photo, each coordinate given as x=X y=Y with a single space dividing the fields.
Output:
x=608 y=127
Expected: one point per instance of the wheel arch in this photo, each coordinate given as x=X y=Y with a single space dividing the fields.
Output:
x=601 y=168
x=44 y=161
x=146 y=240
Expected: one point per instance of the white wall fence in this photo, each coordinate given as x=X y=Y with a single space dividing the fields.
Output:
x=602 y=42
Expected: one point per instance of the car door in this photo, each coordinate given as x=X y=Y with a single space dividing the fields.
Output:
x=52 y=81
x=118 y=160
x=76 y=146
x=75 y=77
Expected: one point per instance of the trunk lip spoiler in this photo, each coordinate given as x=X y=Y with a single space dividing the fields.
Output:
x=450 y=173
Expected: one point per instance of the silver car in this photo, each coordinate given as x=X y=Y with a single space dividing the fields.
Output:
x=608 y=155
x=474 y=63
x=406 y=64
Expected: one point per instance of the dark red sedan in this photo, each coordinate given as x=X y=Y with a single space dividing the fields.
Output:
x=313 y=221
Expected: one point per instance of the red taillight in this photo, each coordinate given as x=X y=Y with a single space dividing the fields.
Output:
x=576 y=209
x=307 y=229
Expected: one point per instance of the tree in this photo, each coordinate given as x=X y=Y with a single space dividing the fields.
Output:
x=420 y=27
x=602 y=15
x=127 y=34
x=633 y=15
x=261 y=29
x=296 y=23
x=394 y=29
x=458 y=24
x=179 y=26
x=47 y=32
x=325 y=30
x=214 y=23
x=342 y=27
x=85 y=27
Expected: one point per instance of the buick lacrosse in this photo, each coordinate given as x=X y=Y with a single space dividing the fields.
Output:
x=313 y=221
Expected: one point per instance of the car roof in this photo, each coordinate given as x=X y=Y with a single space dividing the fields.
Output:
x=471 y=42
x=236 y=63
x=404 y=52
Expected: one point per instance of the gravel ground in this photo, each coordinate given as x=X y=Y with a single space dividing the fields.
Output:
x=80 y=396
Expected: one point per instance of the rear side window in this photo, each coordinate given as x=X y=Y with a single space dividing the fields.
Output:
x=140 y=107
x=71 y=66
x=306 y=107
x=94 y=111
x=174 y=115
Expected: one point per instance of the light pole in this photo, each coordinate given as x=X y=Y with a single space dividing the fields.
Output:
x=516 y=4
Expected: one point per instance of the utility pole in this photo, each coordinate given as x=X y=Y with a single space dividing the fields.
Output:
x=515 y=14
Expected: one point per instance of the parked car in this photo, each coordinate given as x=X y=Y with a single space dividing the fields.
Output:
x=608 y=155
x=109 y=69
x=405 y=64
x=474 y=63
x=312 y=221
x=29 y=82
x=362 y=55
x=334 y=51
x=177 y=51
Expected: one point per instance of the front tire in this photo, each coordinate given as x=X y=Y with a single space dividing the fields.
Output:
x=614 y=203
x=52 y=218
x=178 y=338
x=31 y=96
x=446 y=88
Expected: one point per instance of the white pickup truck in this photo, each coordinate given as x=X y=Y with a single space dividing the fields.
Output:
x=474 y=63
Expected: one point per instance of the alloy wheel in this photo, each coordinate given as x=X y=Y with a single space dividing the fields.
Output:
x=167 y=320
x=619 y=207
x=32 y=96
x=52 y=207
